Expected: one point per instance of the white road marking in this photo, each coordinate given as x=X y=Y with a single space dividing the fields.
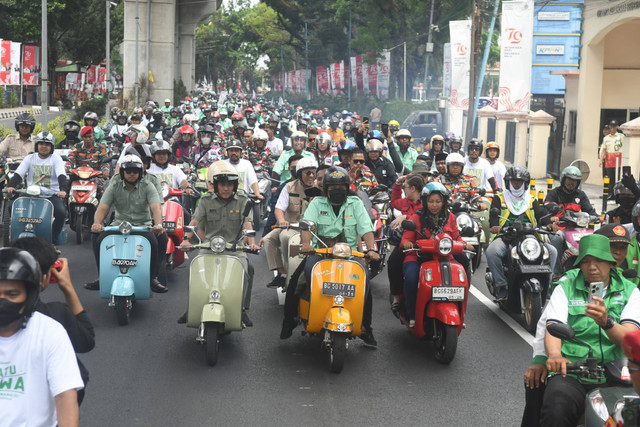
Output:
x=517 y=328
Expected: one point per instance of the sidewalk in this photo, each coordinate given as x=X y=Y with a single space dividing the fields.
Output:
x=9 y=113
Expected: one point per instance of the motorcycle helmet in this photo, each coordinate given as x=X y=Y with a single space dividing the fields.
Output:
x=375 y=134
x=517 y=172
x=299 y=136
x=455 y=140
x=324 y=138
x=571 y=172
x=174 y=110
x=260 y=135
x=335 y=175
x=72 y=127
x=432 y=188
x=403 y=133
x=90 y=115
x=141 y=132
x=236 y=116
x=142 y=151
x=113 y=112
x=455 y=158
x=221 y=171
x=374 y=145
x=122 y=115
x=620 y=192
x=223 y=112
x=635 y=214
x=186 y=129
x=394 y=124
x=493 y=145
x=25 y=119
x=252 y=116
x=159 y=147
x=20 y=265
x=475 y=143
x=206 y=131
x=46 y=138
x=234 y=143
x=334 y=121
x=305 y=163
x=131 y=161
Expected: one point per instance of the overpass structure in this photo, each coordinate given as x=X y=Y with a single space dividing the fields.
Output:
x=166 y=43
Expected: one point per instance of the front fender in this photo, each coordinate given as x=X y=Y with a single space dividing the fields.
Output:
x=446 y=312
x=123 y=286
x=171 y=247
x=338 y=319
x=213 y=312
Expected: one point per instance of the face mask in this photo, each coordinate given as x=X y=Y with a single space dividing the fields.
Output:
x=627 y=204
x=519 y=192
x=9 y=311
x=337 y=196
x=205 y=140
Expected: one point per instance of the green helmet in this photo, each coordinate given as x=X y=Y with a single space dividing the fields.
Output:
x=571 y=172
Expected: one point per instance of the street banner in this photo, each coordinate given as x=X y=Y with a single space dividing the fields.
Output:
x=354 y=74
x=337 y=76
x=323 y=79
x=359 y=73
x=332 y=78
x=31 y=65
x=294 y=81
x=515 y=56
x=16 y=48
x=384 y=67
x=460 y=34
x=446 y=70
x=5 y=62
x=102 y=82
x=91 y=74
x=372 y=72
x=364 y=70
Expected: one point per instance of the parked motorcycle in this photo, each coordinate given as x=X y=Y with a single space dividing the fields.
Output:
x=616 y=386
x=125 y=269
x=527 y=267
x=83 y=199
x=216 y=281
x=443 y=290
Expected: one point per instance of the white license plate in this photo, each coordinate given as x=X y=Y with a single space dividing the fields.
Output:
x=447 y=293
x=81 y=188
x=579 y=236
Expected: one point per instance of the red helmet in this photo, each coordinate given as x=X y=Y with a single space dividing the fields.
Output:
x=187 y=98
x=258 y=107
x=215 y=114
x=236 y=116
x=186 y=129
x=248 y=110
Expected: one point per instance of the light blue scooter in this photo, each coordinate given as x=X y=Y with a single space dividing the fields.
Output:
x=32 y=215
x=125 y=269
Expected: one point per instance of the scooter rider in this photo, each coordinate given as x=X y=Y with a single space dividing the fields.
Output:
x=45 y=168
x=298 y=142
x=88 y=153
x=499 y=169
x=455 y=145
x=208 y=151
x=514 y=202
x=19 y=145
x=570 y=197
x=479 y=167
x=71 y=131
x=119 y=129
x=339 y=216
x=136 y=201
x=289 y=209
x=462 y=188
x=600 y=324
x=381 y=167
x=219 y=213
x=91 y=119
x=260 y=154
x=408 y=154
x=626 y=199
x=324 y=152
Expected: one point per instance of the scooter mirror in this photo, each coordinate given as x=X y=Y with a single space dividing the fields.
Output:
x=552 y=207
x=409 y=225
x=466 y=231
x=494 y=211
x=249 y=233
x=561 y=331
x=307 y=225
x=247 y=208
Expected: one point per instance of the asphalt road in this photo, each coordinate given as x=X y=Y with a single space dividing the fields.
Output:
x=153 y=373
x=52 y=115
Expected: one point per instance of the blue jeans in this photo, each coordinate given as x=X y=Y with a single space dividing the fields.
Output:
x=59 y=217
x=411 y=275
x=496 y=252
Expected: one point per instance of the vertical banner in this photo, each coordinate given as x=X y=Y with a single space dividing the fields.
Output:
x=446 y=70
x=354 y=74
x=365 y=76
x=359 y=73
x=15 y=63
x=384 y=68
x=332 y=74
x=5 y=62
x=515 y=56
x=372 y=72
x=91 y=74
x=323 y=79
x=294 y=83
x=102 y=82
x=460 y=34
x=30 y=66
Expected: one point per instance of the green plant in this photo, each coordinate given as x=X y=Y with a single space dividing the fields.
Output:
x=179 y=91
x=13 y=99
x=96 y=105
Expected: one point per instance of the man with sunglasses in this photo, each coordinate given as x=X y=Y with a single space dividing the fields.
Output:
x=479 y=167
x=361 y=179
x=298 y=144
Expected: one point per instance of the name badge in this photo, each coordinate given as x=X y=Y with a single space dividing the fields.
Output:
x=576 y=303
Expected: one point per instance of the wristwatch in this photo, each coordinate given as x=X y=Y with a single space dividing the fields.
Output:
x=610 y=323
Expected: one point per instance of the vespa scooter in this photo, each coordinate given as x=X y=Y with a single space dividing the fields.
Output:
x=32 y=215
x=443 y=289
x=173 y=224
x=83 y=199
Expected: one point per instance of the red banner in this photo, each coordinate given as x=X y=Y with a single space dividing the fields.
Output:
x=323 y=79
x=372 y=72
x=359 y=72
x=91 y=74
x=5 y=62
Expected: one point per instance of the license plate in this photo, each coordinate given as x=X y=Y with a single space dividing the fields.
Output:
x=169 y=226
x=81 y=188
x=30 y=220
x=332 y=289
x=579 y=236
x=447 y=293
x=124 y=262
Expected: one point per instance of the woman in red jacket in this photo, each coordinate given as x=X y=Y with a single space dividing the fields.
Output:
x=434 y=218
x=412 y=186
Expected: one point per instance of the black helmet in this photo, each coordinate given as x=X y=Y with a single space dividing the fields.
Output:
x=241 y=124
x=46 y=138
x=141 y=150
x=635 y=213
x=335 y=175
x=72 y=126
x=620 y=190
x=90 y=115
x=334 y=120
x=517 y=172
x=234 y=143
x=207 y=128
x=475 y=143
x=20 y=265
x=174 y=110
x=252 y=116
x=122 y=114
x=25 y=119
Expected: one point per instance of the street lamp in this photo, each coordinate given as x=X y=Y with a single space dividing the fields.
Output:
x=108 y=46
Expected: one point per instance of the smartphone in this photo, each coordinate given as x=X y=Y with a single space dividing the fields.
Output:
x=385 y=129
x=626 y=170
x=596 y=289
x=58 y=266
x=365 y=120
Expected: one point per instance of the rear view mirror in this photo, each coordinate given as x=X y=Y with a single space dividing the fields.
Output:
x=307 y=225
x=561 y=331
x=247 y=208
x=409 y=225
x=494 y=211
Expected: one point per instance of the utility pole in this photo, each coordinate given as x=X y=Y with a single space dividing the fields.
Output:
x=107 y=77
x=476 y=31
x=428 y=50
x=483 y=65
x=306 y=60
x=282 y=61
x=404 y=61
x=44 y=81
x=136 y=84
x=349 y=62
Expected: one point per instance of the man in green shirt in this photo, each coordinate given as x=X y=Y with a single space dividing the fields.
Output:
x=137 y=202
x=408 y=154
x=219 y=213
x=338 y=217
x=298 y=143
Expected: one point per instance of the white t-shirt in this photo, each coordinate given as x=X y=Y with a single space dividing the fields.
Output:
x=480 y=169
x=246 y=174
x=283 y=199
x=276 y=146
x=172 y=175
x=36 y=364
x=43 y=172
x=117 y=130
x=499 y=169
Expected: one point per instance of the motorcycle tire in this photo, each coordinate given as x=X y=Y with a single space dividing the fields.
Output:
x=211 y=343
x=446 y=342
x=78 y=228
x=477 y=258
x=532 y=310
x=337 y=352
x=5 y=229
x=123 y=310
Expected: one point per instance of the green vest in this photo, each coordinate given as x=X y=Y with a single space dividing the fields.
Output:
x=633 y=254
x=506 y=214
x=587 y=330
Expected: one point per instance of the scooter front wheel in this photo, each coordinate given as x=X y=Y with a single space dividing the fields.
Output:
x=211 y=343
x=532 y=310
x=446 y=342
x=78 y=224
x=123 y=309
x=337 y=352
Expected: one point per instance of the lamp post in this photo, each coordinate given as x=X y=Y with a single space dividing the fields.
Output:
x=44 y=81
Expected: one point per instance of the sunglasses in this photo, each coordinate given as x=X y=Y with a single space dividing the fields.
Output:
x=131 y=170
x=474 y=149
x=312 y=139
x=358 y=161
x=309 y=173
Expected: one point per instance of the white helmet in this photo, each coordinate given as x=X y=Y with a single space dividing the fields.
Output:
x=403 y=132
x=296 y=134
x=306 y=163
x=190 y=118
x=131 y=161
x=260 y=134
x=324 y=138
x=160 y=145
x=141 y=131
x=455 y=158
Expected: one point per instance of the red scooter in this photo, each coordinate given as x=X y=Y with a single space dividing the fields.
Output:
x=83 y=199
x=443 y=290
x=173 y=223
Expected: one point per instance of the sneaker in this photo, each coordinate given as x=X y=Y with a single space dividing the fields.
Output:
x=412 y=323
x=288 y=325
x=277 y=282
x=246 y=321
x=182 y=319
x=503 y=293
x=93 y=286
x=367 y=336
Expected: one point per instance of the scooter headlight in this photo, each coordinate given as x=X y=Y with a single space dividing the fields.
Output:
x=599 y=406
x=125 y=227
x=218 y=244
x=445 y=246
x=341 y=250
x=582 y=219
x=531 y=248
x=464 y=221
x=33 y=190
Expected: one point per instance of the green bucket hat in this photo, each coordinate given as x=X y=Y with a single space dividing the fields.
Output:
x=595 y=245
x=420 y=168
